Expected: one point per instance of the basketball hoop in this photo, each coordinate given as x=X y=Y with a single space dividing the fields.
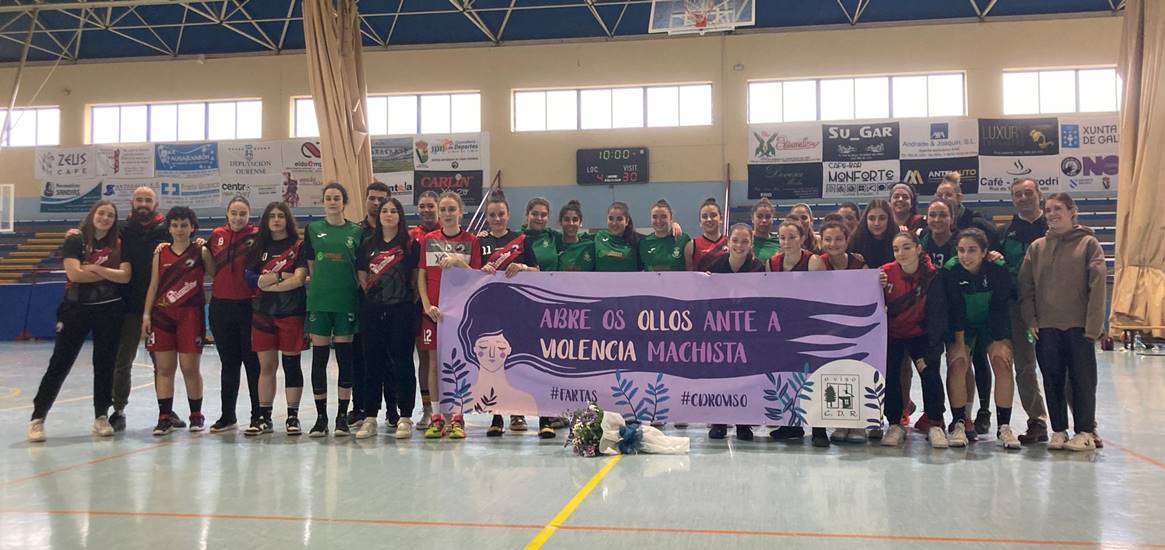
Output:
x=700 y=16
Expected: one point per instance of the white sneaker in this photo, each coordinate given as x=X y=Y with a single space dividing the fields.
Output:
x=367 y=428
x=958 y=435
x=1058 y=440
x=36 y=431
x=102 y=427
x=1082 y=441
x=426 y=419
x=938 y=437
x=1006 y=438
x=893 y=437
x=404 y=428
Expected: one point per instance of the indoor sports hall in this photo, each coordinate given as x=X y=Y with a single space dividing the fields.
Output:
x=524 y=274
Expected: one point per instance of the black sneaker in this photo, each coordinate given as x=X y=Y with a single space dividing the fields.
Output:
x=165 y=425
x=258 y=426
x=497 y=427
x=197 y=422
x=983 y=421
x=820 y=437
x=718 y=431
x=117 y=420
x=293 y=426
x=342 y=427
x=320 y=429
x=787 y=432
x=544 y=429
x=743 y=433
x=224 y=424
x=176 y=421
x=355 y=417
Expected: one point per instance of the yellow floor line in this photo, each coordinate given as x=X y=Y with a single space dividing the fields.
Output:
x=566 y=511
x=71 y=399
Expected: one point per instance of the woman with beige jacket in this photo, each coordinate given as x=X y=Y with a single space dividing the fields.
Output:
x=1061 y=295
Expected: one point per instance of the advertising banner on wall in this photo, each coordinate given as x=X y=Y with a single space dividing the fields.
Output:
x=784 y=181
x=863 y=160
x=209 y=174
x=860 y=142
x=126 y=161
x=784 y=143
x=59 y=164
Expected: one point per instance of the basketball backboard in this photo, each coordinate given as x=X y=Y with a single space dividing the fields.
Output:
x=700 y=16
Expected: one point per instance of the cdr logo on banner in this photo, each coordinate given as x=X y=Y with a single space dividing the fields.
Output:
x=1019 y=137
x=860 y=179
x=1090 y=172
x=860 y=142
x=785 y=181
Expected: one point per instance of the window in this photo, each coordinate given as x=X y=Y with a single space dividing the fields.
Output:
x=186 y=121
x=403 y=114
x=1061 y=91
x=606 y=108
x=33 y=126
x=905 y=96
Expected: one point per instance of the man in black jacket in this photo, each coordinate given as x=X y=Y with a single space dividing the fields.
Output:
x=140 y=235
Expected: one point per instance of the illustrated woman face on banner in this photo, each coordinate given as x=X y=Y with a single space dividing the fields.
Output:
x=491 y=351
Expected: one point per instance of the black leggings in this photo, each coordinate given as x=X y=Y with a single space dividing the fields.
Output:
x=932 y=382
x=74 y=323
x=230 y=323
x=388 y=338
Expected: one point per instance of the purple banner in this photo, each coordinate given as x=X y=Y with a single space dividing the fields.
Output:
x=763 y=348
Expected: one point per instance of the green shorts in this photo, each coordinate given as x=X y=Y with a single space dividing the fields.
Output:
x=330 y=323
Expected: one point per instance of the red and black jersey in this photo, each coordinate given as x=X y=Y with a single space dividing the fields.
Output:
x=284 y=256
x=105 y=253
x=750 y=265
x=777 y=262
x=705 y=251
x=436 y=245
x=417 y=232
x=230 y=250
x=853 y=261
x=906 y=298
x=505 y=250
x=390 y=267
x=180 y=278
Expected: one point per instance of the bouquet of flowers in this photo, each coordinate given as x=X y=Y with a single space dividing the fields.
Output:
x=586 y=429
x=594 y=431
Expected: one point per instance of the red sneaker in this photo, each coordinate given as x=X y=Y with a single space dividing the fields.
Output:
x=1096 y=439
x=924 y=424
x=906 y=412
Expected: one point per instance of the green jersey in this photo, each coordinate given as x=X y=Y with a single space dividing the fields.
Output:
x=663 y=253
x=983 y=298
x=546 y=244
x=578 y=256
x=332 y=249
x=613 y=254
x=765 y=247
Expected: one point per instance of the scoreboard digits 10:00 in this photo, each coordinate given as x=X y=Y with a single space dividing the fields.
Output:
x=611 y=165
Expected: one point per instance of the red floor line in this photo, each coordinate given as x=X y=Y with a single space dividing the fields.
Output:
x=858 y=536
x=1136 y=455
x=62 y=469
x=598 y=528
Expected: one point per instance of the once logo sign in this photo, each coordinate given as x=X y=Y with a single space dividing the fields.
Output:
x=1105 y=165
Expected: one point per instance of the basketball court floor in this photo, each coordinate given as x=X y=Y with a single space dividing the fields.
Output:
x=228 y=491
